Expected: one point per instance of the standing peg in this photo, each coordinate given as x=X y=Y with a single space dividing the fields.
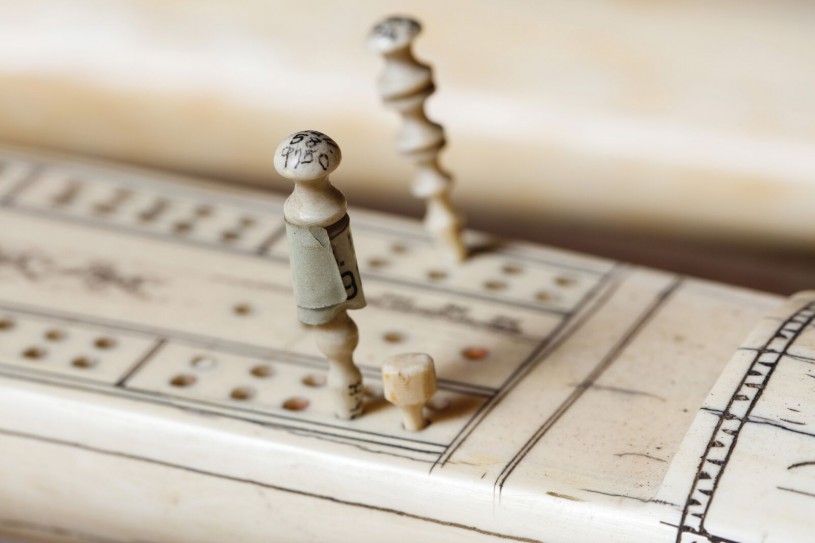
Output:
x=405 y=85
x=323 y=262
x=409 y=381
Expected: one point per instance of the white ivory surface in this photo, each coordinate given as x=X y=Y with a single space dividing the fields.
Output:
x=574 y=394
x=691 y=116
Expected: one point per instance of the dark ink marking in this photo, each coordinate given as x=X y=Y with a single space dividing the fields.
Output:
x=803 y=493
x=793 y=422
x=642 y=455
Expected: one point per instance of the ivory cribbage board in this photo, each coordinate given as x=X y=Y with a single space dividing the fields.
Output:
x=155 y=384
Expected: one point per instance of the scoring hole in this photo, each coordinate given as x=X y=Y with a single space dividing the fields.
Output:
x=182 y=227
x=543 y=296
x=247 y=221
x=242 y=309
x=565 y=281
x=54 y=335
x=83 y=362
x=512 y=269
x=314 y=380
x=35 y=353
x=436 y=275
x=183 y=380
x=475 y=353
x=393 y=337
x=296 y=403
x=495 y=285
x=203 y=210
x=228 y=236
x=377 y=263
x=242 y=393
x=6 y=324
x=203 y=362
x=261 y=371
x=104 y=343
x=399 y=248
x=103 y=209
x=438 y=404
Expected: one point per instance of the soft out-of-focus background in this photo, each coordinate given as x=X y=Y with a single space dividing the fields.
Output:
x=678 y=134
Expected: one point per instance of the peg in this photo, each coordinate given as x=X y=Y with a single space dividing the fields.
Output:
x=323 y=261
x=409 y=381
x=405 y=85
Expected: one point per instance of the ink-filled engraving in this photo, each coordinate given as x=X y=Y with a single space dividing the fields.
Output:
x=576 y=376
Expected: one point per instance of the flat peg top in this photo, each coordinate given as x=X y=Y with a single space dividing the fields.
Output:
x=409 y=379
x=393 y=33
x=307 y=155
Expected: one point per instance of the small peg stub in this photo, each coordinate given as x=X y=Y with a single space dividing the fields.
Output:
x=409 y=381
x=325 y=276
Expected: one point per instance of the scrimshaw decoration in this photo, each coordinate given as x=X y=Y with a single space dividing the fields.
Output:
x=155 y=384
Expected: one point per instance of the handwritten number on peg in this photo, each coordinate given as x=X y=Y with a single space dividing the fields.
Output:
x=350 y=285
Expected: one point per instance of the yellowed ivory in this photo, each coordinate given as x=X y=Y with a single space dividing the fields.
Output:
x=405 y=85
x=323 y=263
x=156 y=385
x=409 y=381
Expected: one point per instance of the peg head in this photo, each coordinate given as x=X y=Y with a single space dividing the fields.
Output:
x=307 y=155
x=393 y=33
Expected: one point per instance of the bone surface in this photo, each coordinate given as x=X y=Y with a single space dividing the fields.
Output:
x=404 y=86
x=324 y=269
x=410 y=381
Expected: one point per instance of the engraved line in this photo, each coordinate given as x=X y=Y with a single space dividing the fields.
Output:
x=27 y=180
x=606 y=362
x=59 y=531
x=273 y=238
x=810 y=494
x=752 y=420
x=643 y=500
x=369 y=275
x=151 y=352
x=138 y=232
x=726 y=415
x=253 y=482
x=248 y=253
x=557 y=337
x=503 y=248
x=188 y=405
x=759 y=392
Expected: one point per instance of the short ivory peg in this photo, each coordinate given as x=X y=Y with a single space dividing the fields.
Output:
x=409 y=381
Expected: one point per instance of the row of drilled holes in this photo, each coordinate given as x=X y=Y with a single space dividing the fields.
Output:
x=55 y=335
x=151 y=214
x=494 y=285
x=262 y=371
x=471 y=354
x=243 y=393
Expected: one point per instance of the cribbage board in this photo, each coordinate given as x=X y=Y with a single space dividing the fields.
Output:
x=155 y=384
